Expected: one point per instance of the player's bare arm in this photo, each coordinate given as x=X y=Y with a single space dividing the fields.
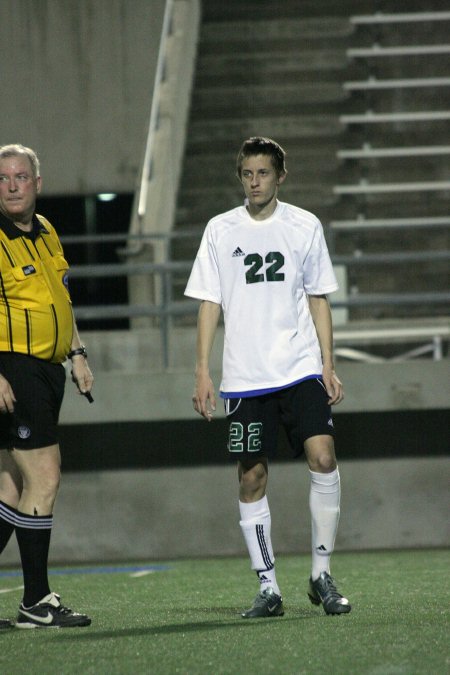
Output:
x=321 y=314
x=204 y=398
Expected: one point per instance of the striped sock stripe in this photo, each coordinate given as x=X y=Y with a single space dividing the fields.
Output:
x=8 y=513
x=263 y=547
x=34 y=522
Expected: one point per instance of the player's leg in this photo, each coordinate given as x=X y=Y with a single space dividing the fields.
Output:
x=306 y=416
x=324 y=500
x=10 y=488
x=255 y=520
x=324 y=503
x=252 y=436
x=256 y=528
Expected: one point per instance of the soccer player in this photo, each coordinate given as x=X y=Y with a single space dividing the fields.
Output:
x=37 y=333
x=266 y=265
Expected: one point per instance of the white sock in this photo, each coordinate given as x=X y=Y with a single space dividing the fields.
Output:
x=324 y=499
x=255 y=525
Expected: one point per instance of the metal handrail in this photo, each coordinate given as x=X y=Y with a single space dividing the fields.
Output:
x=190 y=307
x=369 y=152
x=399 y=17
x=370 y=117
x=402 y=50
x=367 y=223
x=154 y=114
x=357 y=258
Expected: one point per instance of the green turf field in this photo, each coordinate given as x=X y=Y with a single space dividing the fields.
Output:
x=185 y=619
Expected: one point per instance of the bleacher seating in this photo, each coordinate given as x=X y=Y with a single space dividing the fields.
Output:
x=394 y=169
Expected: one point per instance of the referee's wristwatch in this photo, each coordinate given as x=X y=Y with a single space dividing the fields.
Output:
x=79 y=351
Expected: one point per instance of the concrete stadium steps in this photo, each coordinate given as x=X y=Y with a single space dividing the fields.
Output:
x=396 y=312
x=218 y=10
x=279 y=72
x=395 y=205
x=284 y=66
x=206 y=202
x=223 y=134
x=396 y=170
x=391 y=100
x=396 y=34
x=303 y=161
x=399 y=134
x=433 y=65
x=271 y=98
x=415 y=277
x=253 y=35
x=382 y=240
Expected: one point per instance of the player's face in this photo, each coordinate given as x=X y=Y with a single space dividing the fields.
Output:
x=18 y=188
x=260 y=182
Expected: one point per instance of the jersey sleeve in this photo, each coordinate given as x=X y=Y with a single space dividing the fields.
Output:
x=204 y=280
x=319 y=277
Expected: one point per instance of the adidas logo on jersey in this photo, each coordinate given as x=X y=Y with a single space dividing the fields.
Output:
x=238 y=252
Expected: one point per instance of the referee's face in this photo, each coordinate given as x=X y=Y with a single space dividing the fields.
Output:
x=18 y=189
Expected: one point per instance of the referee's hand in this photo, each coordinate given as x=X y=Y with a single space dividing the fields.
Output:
x=82 y=376
x=7 y=398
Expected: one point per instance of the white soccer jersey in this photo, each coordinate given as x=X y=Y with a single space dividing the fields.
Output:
x=261 y=272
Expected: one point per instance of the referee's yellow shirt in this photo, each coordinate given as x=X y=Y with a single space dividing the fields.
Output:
x=35 y=308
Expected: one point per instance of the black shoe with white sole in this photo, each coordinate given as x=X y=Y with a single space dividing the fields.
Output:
x=50 y=613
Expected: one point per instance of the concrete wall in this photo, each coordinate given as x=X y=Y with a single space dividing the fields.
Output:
x=165 y=513
x=131 y=385
x=170 y=513
x=77 y=79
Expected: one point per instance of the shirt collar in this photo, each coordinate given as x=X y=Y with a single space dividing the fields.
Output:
x=13 y=232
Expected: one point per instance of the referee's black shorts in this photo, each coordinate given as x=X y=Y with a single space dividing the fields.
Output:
x=39 y=389
x=254 y=422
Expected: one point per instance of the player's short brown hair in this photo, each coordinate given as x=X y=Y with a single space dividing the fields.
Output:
x=260 y=145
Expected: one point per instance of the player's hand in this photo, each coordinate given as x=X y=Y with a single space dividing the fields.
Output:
x=204 y=398
x=82 y=375
x=7 y=398
x=333 y=385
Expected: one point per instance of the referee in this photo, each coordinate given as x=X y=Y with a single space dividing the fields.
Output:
x=37 y=333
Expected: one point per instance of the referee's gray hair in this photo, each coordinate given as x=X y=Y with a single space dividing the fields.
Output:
x=16 y=149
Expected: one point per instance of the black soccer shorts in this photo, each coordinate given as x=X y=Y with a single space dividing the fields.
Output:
x=39 y=389
x=253 y=423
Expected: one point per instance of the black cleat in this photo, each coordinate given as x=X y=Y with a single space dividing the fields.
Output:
x=267 y=603
x=4 y=623
x=323 y=591
x=50 y=613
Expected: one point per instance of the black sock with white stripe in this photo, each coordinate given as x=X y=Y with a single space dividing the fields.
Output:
x=255 y=525
x=7 y=523
x=33 y=536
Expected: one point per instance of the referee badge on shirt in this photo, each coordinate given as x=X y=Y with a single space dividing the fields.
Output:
x=28 y=269
x=23 y=432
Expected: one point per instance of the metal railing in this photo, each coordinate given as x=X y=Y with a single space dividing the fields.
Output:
x=154 y=113
x=166 y=309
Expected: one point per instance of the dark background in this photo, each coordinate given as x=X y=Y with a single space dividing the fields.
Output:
x=132 y=445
